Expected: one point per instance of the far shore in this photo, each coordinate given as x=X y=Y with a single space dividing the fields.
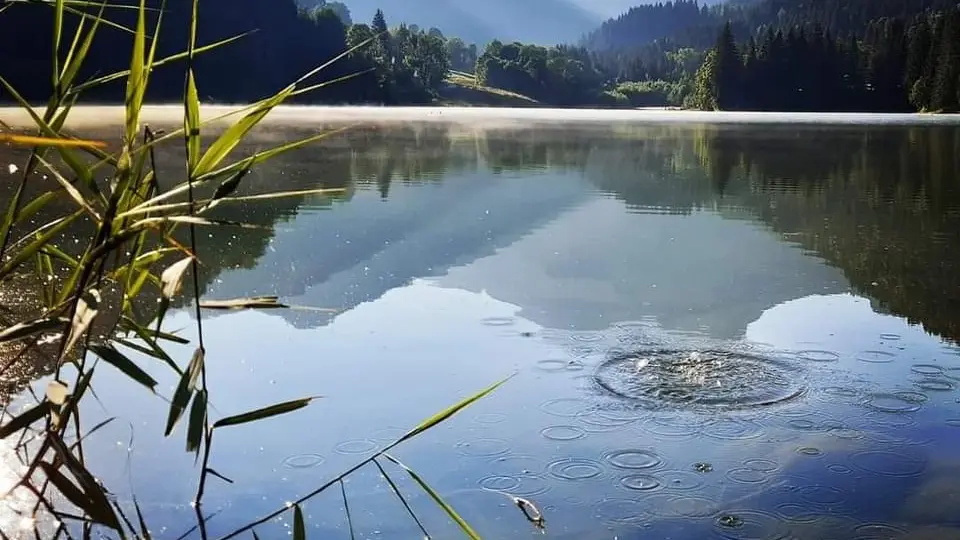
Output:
x=304 y=116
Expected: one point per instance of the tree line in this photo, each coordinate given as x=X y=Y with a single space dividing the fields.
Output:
x=894 y=66
x=280 y=41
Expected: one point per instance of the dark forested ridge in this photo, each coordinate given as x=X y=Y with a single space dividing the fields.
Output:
x=804 y=55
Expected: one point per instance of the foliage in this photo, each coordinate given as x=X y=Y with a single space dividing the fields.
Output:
x=132 y=224
x=895 y=66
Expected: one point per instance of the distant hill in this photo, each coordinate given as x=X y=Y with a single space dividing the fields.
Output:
x=544 y=22
x=613 y=8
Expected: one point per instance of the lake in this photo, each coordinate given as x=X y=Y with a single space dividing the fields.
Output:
x=739 y=326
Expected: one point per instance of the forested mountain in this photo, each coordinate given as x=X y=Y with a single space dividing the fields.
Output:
x=536 y=21
x=691 y=23
x=282 y=42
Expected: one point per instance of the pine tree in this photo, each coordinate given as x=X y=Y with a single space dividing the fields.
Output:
x=944 y=91
x=729 y=70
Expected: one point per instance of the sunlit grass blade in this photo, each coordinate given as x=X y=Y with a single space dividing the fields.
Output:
x=34 y=206
x=403 y=500
x=230 y=138
x=462 y=523
x=31 y=328
x=333 y=60
x=194 y=220
x=299 y=527
x=115 y=358
x=30 y=140
x=265 y=412
x=181 y=396
x=163 y=61
x=450 y=411
x=87 y=309
x=317 y=86
x=39 y=241
x=25 y=419
x=191 y=121
x=57 y=33
x=171 y=281
x=136 y=82
x=71 y=190
x=78 y=168
x=77 y=55
x=256 y=302
x=197 y=421
x=259 y=157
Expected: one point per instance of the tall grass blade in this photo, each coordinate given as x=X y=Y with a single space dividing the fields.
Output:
x=104 y=79
x=181 y=396
x=87 y=308
x=403 y=500
x=71 y=190
x=31 y=140
x=118 y=360
x=191 y=121
x=99 y=510
x=57 y=392
x=144 y=531
x=198 y=417
x=450 y=411
x=462 y=523
x=171 y=282
x=235 y=133
x=78 y=168
x=266 y=412
x=259 y=157
x=138 y=77
x=75 y=58
x=299 y=527
x=67 y=488
x=346 y=509
x=24 y=419
x=39 y=241
x=31 y=328
x=33 y=207
x=218 y=475
x=57 y=33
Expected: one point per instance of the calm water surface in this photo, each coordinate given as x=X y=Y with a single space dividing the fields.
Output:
x=719 y=331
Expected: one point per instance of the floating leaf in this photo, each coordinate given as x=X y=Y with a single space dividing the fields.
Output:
x=299 y=528
x=87 y=308
x=256 y=302
x=462 y=523
x=530 y=511
x=31 y=328
x=118 y=360
x=266 y=412
x=57 y=392
x=181 y=396
x=24 y=420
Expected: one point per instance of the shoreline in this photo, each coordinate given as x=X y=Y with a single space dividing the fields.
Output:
x=305 y=115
